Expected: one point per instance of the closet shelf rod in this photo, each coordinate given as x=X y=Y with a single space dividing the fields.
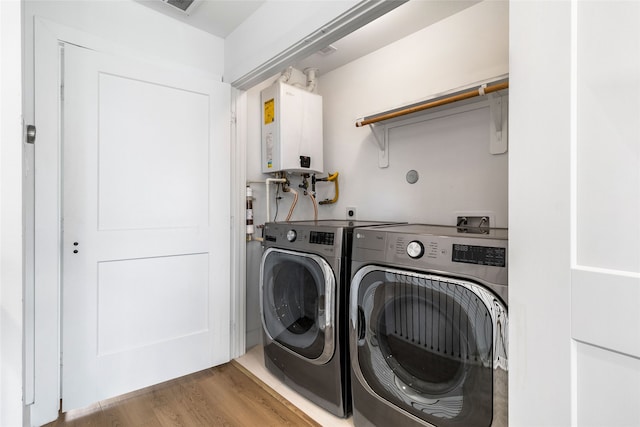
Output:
x=482 y=90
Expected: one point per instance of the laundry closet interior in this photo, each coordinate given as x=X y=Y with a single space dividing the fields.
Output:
x=294 y=145
x=445 y=165
x=404 y=161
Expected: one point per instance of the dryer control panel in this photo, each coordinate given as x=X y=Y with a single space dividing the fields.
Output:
x=481 y=255
x=437 y=249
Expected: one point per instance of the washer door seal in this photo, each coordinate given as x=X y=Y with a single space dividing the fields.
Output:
x=297 y=302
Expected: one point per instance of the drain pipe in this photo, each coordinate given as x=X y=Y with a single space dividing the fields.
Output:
x=315 y=206
x=311 y=79
x=285 y=75
x=267 y=182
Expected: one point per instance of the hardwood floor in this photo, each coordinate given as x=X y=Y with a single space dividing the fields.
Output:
x=226 y=395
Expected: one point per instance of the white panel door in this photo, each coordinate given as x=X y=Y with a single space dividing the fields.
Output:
x=605 y=278
x=146 y=225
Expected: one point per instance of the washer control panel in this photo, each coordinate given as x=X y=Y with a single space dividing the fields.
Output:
x=322 y=240
x=430 y=247
x=415 y=249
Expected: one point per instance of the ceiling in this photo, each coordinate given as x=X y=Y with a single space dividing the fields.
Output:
x=402 y=21
x=218 y=17
x=221 y=17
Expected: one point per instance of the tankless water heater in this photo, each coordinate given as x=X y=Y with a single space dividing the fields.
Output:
x=291 y=129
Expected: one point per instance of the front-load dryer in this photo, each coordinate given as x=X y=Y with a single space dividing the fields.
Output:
x=304 y=287
x=428 y=327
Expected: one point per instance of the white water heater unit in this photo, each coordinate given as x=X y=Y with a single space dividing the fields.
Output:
x=291 y=129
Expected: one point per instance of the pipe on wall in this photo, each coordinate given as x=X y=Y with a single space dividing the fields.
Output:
x=267 y=182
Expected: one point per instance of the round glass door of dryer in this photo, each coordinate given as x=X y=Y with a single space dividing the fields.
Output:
x=297 y=300
x=425 y=344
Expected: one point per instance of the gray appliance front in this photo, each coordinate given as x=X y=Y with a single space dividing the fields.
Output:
x=426 y=349
x=298 y=303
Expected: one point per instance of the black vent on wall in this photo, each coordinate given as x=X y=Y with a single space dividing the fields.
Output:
x=183 y=5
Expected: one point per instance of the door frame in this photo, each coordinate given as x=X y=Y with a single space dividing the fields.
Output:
x=42 y=375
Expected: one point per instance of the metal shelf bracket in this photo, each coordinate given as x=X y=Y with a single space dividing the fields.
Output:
x=499 y=109
x=383 y=144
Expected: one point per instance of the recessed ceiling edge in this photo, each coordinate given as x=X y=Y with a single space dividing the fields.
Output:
x=356 y=17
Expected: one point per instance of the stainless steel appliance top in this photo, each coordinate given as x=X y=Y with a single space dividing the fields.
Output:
x=338 y=223
x=435 y=248
x=324 y=237
x=445 y=230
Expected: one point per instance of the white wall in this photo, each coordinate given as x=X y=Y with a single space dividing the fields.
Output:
x=451 y=154
x=11 y=269
x=254 y=250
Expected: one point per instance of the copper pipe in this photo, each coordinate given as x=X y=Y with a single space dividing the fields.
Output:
x=435 y=103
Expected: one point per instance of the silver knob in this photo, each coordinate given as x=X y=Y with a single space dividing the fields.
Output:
x=291 y=235
x=415 y=249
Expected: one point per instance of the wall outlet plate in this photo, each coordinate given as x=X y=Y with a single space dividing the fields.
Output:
x=473 y=224
x=474 y=218
x=351 y=212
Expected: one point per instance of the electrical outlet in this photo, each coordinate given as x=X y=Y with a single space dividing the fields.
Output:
x=351 y=212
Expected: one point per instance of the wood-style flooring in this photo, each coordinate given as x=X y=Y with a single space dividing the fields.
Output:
x=227 y=395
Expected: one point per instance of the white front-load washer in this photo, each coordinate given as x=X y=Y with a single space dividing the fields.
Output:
x=428 y=327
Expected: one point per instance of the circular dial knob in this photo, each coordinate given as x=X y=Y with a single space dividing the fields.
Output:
x=291 y=235
x=415 y=249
